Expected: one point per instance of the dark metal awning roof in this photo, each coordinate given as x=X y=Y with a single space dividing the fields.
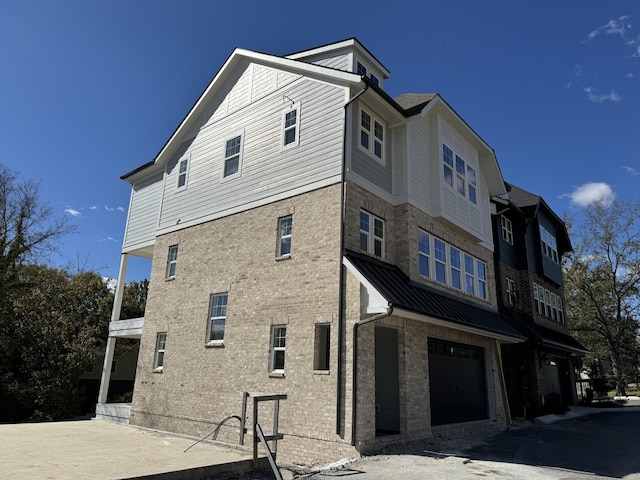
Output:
x=546 y=336
x=404 y=294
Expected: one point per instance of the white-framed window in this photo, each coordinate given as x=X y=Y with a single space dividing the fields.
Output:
x=172 y=262
x=451 y=266
x=278 y=346
x=158 y=357
x=511 y=291
x=424 y=253
x=233 y=157
x=460 y=176
x=371 y=234
x=291 y=127
x=549 y=246
x=183 y=173
x=547 y=303
x=507 y=229
x=217 y=317
x=372 y=135
x=285 y=233
x=361 y=69
x=322 y=346
x=374 y=79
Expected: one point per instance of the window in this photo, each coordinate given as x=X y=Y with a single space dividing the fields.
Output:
x=465 y=178
x=371 y=234
x=507 y=229
x=548 y=303
x=361 y=69
x=183 y=169
x=158 y=359
x=511 y=291
x=172 y=262
x=456 y=267
x=374 y=79
x=278 y=345
x=549 y=246
x=291 y=120
x=321 y=347
x=451 y=266
x=440 y=250
x=371 y=135
x=424 y=253
x=285 y=229
x=217 y=318
x=232 y=156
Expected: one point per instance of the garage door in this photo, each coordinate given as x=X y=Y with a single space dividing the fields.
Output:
x=457 y=382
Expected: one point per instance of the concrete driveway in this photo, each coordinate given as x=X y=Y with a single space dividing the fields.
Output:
x=96 y=450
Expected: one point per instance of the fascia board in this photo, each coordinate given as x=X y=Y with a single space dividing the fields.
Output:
x=455 y=326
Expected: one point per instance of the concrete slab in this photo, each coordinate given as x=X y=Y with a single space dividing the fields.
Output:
x=93 y=449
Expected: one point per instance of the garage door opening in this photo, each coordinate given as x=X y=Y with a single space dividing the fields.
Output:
x=457 y=382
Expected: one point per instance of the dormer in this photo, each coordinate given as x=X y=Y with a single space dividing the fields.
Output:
x=349 y=55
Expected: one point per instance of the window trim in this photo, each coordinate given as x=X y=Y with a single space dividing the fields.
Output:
x=549 y=245
x=548 y=304
x=296 y=127
x=187 y=160
x=217 y=318
x=370 y=234
x=226 y=157
x=507 y=229
x=479 y=284
x=459 y=174
x=171 y=263
x=282 y=237
x=273 y=349
x=512 y=291
x=158 y=360
x=374 y=121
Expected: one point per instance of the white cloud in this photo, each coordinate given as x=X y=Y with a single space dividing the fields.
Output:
x=629 y=75
x=93 y=207
x=578 y=70
x=630 y=170
x=589 y=193
x=108 y=208
x=73 y=212
x=619 y=26
x=107 y=239
x=595 y=97
x=120 y=209
x=111 y=283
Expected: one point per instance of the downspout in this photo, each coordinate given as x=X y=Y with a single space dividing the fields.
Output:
x=354 y=406
x=341 y=282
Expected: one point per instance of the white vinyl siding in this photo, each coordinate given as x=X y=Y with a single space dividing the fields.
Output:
x=317 y=159
x=144 y=210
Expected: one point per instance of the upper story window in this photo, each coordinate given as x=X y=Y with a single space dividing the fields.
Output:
x=511 y=291
x=372 y=135
x=371 y=234
x=172 y=262
x=217 y=317
x=459 y=175
x=285 y=233
x=290 y=127
x=507 y=229
x=549 y=246
x=451 y=266
x=374 y=80
x=362 y=70
x=158 y=356
x=548 y=303
x=183 y=173
x=233 y=157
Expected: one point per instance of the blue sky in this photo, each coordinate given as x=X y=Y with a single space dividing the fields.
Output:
x=91 y=90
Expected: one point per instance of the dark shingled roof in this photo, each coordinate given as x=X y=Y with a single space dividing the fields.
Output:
x=544 y=335
x=402 y=292
x=416 y=101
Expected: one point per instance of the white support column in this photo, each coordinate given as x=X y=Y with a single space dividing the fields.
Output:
x=111 y=341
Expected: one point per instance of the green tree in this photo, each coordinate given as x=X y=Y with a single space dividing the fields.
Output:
x=59 y=325
x=602 y=287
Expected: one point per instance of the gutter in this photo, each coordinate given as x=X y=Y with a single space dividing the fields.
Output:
x=341 y=281
x=354 y=395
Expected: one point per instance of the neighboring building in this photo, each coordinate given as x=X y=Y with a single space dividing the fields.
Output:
x=530 y=241
x=313 y=237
